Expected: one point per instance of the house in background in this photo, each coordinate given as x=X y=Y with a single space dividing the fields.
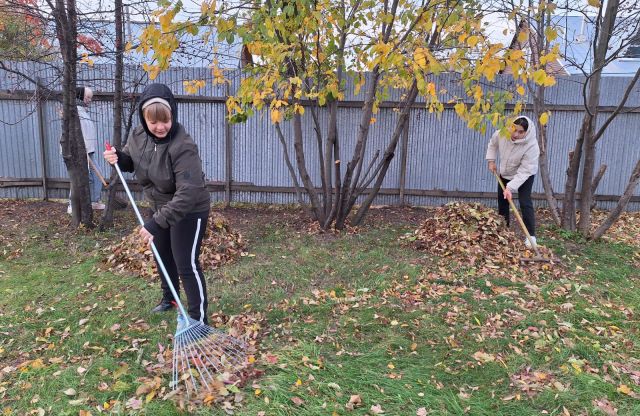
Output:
x=575 y=38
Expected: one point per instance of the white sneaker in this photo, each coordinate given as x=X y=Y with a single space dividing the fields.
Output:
x=528 y=243
x=97 y=205
x=69 y=210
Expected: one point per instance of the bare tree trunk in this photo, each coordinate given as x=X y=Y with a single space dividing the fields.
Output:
x=539 y=109
x=332 y=149
x=332 y=153
x=107 y=217
x=586 y=196
x=403 y=121
x=326 y=187
x=73 y=150
x=621 y=205
x=287 y=161
x=591 y=104
x=302 y=169
x=354 y=167
x=349 y=183
x=596 y=182
x=569 y=202
x=338 y=187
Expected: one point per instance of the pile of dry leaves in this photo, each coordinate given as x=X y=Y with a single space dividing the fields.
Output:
x=220 y=246
x=625 y=230
x=472 y=234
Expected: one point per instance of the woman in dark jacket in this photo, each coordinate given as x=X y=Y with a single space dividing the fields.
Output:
x=166 y=163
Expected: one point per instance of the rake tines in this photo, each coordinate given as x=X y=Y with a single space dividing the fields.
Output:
x=201 y=352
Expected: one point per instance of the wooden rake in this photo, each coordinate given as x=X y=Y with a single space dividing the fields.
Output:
x=538 y=258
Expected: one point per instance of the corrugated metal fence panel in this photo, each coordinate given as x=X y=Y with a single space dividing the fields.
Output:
x=100 y=77
x=443 y=154
x=53 y=131
x=621 y=134
x=258 y=157
x=205 y=124
x=434 y=142
x=20 y=140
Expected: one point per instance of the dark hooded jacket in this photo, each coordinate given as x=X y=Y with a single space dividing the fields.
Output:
x=169 y=169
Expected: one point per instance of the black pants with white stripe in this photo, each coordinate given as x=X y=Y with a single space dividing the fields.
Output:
x=179 y=248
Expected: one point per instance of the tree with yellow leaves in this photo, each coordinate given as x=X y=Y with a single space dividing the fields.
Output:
x=305 y=52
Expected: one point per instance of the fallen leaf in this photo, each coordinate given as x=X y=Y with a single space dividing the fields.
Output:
x=605 y=406
x=70 y=392
x=354 y=401
x=37 y=364
x=271 y=359
x=297 y=401
x=134 y=403
x=484 y=357
x=376 y=409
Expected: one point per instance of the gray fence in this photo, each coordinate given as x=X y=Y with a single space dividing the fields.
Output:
x=445 y=160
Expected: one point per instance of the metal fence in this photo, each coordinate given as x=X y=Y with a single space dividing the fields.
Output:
x=445 y=159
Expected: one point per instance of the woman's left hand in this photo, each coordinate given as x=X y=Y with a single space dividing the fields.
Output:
x=147 y=237
x=507 y=194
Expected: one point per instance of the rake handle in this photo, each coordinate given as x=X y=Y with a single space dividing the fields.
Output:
x=97 y=172
x=153 y=246
x=518 y=216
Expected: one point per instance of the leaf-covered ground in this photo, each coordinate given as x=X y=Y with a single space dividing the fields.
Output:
x=363 y=322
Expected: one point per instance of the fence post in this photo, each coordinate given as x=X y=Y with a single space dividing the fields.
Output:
x=41 y=131
x=403 y=159
x=228 y=143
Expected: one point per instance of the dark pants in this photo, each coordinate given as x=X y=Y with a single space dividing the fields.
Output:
x=179 y=248
x=524 y=200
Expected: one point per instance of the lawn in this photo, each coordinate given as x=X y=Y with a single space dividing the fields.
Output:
x=352 y=323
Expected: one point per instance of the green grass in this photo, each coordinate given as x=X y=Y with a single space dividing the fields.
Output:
x=345 y=317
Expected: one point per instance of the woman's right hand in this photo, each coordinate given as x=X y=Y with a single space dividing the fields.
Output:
x=111 y=156
x=492 y=166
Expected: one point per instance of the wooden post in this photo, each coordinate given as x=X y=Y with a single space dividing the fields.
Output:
x=403 y=160
x=228 y=143
x=41 y=132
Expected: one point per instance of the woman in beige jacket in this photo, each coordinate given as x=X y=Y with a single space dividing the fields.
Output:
x=518 y=156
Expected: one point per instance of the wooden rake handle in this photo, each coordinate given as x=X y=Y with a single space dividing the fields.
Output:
x=95 y=169
x=534 y=246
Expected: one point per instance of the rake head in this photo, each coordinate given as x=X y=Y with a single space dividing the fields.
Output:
x=201 y=353
x=537 y=259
